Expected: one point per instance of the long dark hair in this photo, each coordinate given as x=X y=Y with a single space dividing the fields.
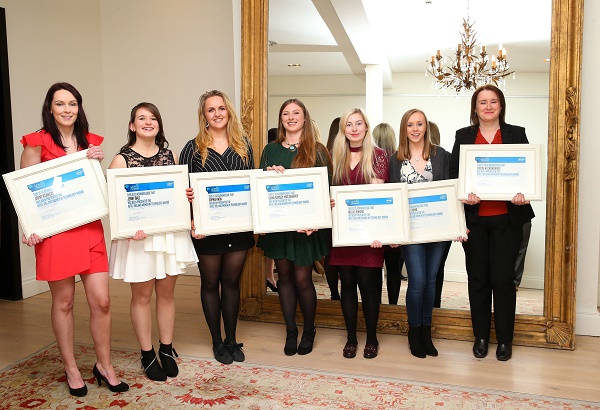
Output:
x=306 y=156
x=81 y=126
x=160 y=138
x=499 y=94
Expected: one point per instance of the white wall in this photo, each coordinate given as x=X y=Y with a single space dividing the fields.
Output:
x=588 y=239
x=117 y=54
x=327 y=97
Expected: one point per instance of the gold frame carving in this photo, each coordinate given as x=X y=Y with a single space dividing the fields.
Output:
x=555 y=328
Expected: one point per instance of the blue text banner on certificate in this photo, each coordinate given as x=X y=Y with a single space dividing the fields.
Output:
x=298 y=199
x=500 y=171
x=365 y=213
x=57 y=195
x=151 y=199
x=222 y=201
x=436 y=213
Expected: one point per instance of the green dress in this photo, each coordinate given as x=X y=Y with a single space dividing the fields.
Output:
x=297 y=247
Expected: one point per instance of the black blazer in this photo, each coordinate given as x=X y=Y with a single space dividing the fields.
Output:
x=511 y=134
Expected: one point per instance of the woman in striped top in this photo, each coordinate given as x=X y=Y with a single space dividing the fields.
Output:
x=220 y=146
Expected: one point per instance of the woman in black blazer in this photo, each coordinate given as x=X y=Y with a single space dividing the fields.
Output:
x=495 y=229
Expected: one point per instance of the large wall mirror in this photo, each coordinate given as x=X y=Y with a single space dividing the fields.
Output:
x=550 y=115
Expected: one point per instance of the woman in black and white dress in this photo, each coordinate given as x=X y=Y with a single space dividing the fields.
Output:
x=220 y=146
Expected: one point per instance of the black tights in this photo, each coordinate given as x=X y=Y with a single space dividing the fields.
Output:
x=332 y=275
x=366 y=279
x=224 y=270
x=295 y=286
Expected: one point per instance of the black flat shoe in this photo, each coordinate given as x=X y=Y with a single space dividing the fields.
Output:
x=480 y=348
x=118 y=388
x=291 y=342
x=272 y=287
x=504 y=351
x=235 y=351
x=78 y=392
x=222 y=354
x=306 y=343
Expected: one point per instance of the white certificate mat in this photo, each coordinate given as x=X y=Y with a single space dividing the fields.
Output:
x=297 y=199
x=222 y=201
x=148 y=198
x=364 y=213
x=500 y=171
x=58 y=195
x=435 y=212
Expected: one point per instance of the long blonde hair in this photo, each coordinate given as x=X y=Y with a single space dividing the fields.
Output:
x=341 y=152
x=385 y=138
x=235 y=130
x=403 y=149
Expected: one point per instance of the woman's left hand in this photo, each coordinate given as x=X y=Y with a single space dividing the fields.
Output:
x=189 y=192
x=95 y=153
x=376 y=244
x=331 y=203
x=519 y=199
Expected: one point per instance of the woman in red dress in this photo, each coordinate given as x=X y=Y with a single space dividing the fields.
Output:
x=78 y=251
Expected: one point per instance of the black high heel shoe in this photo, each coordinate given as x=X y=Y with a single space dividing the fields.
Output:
x=79 y=392
x=291 y=340
x=119 y=388
x=272 y=287
x=306 y=343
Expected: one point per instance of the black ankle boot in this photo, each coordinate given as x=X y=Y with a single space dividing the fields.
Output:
x=167 y=360
x=430 y=349
x=306 y=343
x=291 y=342
x=415 y=342
x=152 y=367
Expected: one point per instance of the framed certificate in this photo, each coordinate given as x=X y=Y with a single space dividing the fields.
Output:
x=222 y=201
x=148 y=198
x=500 y=171
x=297 y=199
x=435 y=212
x=58 y=195
x=364 y=213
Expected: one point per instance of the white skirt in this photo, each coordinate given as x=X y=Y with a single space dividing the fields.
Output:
x=153 y=258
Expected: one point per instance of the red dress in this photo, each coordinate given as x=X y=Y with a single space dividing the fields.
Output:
x=78 y=251
x=363 y=256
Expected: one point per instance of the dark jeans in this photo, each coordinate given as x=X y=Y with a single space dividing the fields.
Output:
x=422 y=264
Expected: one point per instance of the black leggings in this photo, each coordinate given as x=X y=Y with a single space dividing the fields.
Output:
x=368 y=283
x=295 y=286
x=224 y=270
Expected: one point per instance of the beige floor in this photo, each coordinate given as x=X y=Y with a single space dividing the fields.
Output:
x=25 y=327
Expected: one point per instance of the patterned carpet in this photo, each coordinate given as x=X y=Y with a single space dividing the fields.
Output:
x=39 y=383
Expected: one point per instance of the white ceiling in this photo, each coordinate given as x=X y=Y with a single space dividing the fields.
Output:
x=341 y=36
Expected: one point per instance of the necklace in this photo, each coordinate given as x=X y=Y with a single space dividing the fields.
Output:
x=219 y=142
x=292 y=147
x=356 y=149
x=68 y=148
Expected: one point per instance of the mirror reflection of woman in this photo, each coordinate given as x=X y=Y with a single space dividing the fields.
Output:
x=295 y=252
x=220 y=146
x=495 y=229
x=78 y=251
x=419 y=161
x=151 y=262
x=385 y=138
x=357 y=160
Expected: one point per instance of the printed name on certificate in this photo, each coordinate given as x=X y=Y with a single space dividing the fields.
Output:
x=369 y=215
x=61 y=194
x=295 y=199
x=505 y=172
x=229 y=201
x=150 y=200
x=429 y=211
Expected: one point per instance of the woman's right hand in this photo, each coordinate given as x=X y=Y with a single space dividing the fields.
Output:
x=33 y=239
x=463 y=238
x=277 y=168
x=472 y=199
x=331 y=203
x=139 y=236
x=194 y=234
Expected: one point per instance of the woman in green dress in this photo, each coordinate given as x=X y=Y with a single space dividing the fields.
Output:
x=295 y=252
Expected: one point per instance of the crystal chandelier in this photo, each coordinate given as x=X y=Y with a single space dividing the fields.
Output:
x=467 y=69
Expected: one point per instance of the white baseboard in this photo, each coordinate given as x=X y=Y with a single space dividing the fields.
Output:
x=587 y=324
x=32 y=287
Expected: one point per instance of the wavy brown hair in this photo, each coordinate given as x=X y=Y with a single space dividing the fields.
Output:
x=235 y=130
x=307 y=150
x=160 y=138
